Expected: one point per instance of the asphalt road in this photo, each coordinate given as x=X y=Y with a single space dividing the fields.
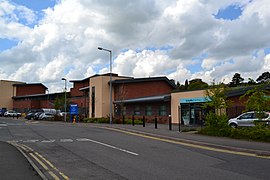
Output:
x=76 y=151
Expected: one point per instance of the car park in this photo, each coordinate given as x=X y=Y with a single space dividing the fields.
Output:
x=36 y=115
x=247 y=119
x=30 y=116
x=46 y=116
x=12 y=113
x=2 y=112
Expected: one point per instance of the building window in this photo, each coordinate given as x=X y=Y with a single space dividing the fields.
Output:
x=124 y=111
x=137 y=110
x=93 y=101
x=148 y=111
x=162 y=110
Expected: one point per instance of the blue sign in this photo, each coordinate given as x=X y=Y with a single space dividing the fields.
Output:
x=73 y=109
x=195 y=100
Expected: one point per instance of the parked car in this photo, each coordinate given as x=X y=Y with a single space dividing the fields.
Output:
x=12 y=113
x=247 y=119
x=2 y=112
x=36 y=115
x=46 y=116
x=30 y=116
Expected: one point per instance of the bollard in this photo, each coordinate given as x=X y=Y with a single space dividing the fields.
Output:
x=143 y=121
x=133 y=120
x=170 y=122
x=123 y=119
x=155 y=122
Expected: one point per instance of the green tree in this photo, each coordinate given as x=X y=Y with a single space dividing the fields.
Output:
x=264 y=78
x=236 y=80
x=217 y=121
x=216 y=96
x=257 y=100
x=251 y=81
x=186 y=84
x=197 y=84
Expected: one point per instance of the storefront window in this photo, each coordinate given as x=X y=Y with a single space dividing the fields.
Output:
x=162 y=110
x=137 y=110
x=148 y=111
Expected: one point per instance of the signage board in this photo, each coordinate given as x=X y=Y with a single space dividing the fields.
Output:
x=194 y=100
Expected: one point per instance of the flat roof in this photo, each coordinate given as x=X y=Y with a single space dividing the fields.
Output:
x=165 y=97
x=149 y=79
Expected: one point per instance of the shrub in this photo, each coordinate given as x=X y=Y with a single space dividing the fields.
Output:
x=96 y=120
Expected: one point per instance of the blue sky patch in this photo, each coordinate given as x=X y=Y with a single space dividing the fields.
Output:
x=7 y=44
x=267 y=51
x=231 y=12
x=36 y=5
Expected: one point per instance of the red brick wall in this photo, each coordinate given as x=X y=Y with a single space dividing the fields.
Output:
x=30 y=90
x=141 y=89
x=75 y=91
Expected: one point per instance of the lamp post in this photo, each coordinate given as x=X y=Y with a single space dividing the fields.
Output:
x=48 y=98
x=65 y=105
x=103 y=49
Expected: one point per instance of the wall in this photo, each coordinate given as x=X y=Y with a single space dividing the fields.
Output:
x=141 y=89
x=102 y=95
x=7 y=91
x=175 y=102
x=77 y=85
x=30 y=89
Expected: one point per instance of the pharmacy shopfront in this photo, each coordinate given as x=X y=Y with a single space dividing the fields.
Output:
x=187 y=107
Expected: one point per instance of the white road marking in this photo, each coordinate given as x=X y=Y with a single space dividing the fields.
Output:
x=110 y=146
x=31 y=141
x=82 y=139
x=3 y=125
x=66 y=140
x=48 y=141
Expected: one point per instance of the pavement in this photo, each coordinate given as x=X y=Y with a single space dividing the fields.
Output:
x=11 y=157
x=14 y=165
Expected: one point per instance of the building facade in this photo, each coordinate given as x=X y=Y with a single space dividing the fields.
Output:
x=7 y=91
x=29 y=97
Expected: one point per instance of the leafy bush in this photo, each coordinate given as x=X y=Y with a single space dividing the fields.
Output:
x=96 y=120
x=216 y=125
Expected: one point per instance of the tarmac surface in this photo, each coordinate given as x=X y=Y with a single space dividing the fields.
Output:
x=15 y=165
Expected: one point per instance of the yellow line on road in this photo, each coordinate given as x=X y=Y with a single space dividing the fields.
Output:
x=189 y=145
x=45 y=167
x=35 y=155
x=52 y=166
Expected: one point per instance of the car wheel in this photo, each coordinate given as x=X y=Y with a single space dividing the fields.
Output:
x=233 y=125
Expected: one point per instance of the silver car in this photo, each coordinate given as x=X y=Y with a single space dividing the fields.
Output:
x=247 y=119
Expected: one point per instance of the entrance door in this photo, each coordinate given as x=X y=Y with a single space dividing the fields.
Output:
x=192 y=114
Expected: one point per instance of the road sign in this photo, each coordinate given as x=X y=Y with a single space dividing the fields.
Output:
x=74 y=109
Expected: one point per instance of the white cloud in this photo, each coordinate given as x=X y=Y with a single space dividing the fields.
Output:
x=147 y=38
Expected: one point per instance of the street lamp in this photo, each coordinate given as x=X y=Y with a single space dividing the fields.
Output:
x=48 y=98
x=103 y=49
x=65 y=106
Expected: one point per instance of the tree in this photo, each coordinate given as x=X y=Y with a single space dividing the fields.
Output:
x=236 y=80
x=217 y=98
x=197 y=84
x=264 y=78
x=251 y=81
x=257 y=100
x=186 y=84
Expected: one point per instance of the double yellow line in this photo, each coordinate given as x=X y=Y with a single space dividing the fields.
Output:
x=204 y=147
x=46 y=165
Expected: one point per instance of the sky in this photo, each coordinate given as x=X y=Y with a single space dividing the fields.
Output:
x=46 y=40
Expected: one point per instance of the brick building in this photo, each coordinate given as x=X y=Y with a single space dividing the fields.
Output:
x=7 y=91
x=29 y=96
x=79 y=94
x=149 y=97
